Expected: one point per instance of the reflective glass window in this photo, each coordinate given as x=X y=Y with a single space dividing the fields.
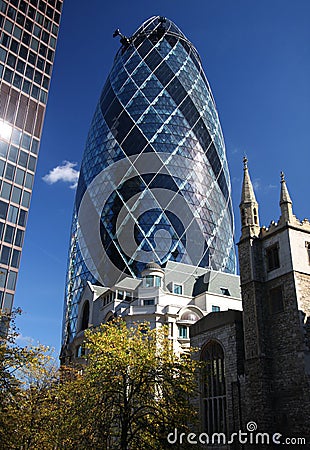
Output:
x=19 y=178
x=8 y=302
x=17 y=32
x=26 y=38
x=3 y=209
x=3 y=54
x=9 y=234
x=23 y=159
x=3 y=6
x=3 y=148
x=29 y=180
x=6 y=190
x=34 y=44
x=3 y=274
x=15 y=258
x=12 y=214
x=19 y=238
x=9 y=172
x=8 y=75
x=32 y=163
x=14 y=46
x=16 y=194
x=11 y=280
x=5 y=255
x=26 y=199
x=26 y=86
x=20 y=67
x=8 y=26
x=22 y=218
x=13 y=153
x=26 y=139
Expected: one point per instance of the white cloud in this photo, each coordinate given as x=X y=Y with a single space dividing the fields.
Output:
x=65 y=173
x=24 y=340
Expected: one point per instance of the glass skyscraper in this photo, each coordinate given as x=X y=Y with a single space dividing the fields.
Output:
x=29 y=30
x=154 y=183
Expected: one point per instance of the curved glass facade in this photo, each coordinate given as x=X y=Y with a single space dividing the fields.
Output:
x=154 y=182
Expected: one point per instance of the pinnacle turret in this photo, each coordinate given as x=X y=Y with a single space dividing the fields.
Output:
x=248 y=205
x=285 y=201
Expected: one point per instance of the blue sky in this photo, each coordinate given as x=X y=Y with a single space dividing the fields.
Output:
x=256 y=55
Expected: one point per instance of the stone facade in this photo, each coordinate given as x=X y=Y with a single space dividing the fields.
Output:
x=269 y=372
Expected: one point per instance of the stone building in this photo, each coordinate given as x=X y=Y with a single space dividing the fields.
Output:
x=262 y=369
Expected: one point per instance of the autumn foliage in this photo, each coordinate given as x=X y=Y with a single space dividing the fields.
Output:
x=131 y=391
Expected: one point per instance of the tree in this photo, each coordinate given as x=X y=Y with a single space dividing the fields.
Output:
x=130 y=394
x=141 y=389
x=26 y=376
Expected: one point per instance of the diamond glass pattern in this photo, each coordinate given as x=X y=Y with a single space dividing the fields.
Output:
x=154 y=181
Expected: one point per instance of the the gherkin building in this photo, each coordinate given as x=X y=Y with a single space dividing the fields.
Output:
x=154 y=183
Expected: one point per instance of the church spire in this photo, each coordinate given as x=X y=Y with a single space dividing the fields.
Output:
x=285 y=201
x=248 y=206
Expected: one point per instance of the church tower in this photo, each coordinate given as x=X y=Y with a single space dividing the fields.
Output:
x=275 y=285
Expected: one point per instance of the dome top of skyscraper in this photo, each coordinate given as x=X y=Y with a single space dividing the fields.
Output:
x=158 y=23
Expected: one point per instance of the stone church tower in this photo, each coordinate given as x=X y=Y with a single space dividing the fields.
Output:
x=275 y=285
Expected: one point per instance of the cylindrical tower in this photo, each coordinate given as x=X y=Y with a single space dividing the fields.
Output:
x=154 y=183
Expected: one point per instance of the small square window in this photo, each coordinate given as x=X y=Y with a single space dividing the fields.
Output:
x=149 y=301
x=177 y=289
x=183 y=332
x=215 y=308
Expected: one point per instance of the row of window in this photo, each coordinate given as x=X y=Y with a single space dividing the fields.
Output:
x=23 y=9
x=8 y=171
x=25 y=39
x=30 y=27
x=11 y=235
x=21 y=158
x=24 y=85
x=15 y=194
x=17 y=137
x=7 y=279
x=6 y=301
x=13 y=214
x=10 y=256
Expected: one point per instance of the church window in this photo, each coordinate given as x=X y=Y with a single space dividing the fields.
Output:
x=243 y=218
x=214 y=388
x=255 y=216
x=276 y=300
x=308 y=250
x=85 y=316
x=272 y=255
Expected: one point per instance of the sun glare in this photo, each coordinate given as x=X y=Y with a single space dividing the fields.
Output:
x=5 y=130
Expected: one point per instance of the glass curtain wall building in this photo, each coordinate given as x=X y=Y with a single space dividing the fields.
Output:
x=28 y=37
x=154 y=183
